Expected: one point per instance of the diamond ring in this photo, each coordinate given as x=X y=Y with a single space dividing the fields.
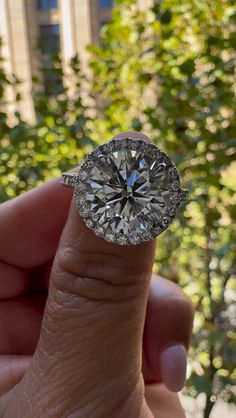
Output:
x=127 y=190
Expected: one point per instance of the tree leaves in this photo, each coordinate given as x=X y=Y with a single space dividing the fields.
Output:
x=187 y=67
x=201 y=384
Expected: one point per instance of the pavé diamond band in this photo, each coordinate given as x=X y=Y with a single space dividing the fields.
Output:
x=127 y=191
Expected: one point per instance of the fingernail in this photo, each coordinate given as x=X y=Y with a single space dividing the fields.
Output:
x=173 y=364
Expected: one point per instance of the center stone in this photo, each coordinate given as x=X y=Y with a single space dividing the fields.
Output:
x=128 y=190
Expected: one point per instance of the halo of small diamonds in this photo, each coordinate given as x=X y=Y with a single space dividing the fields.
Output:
x=128 y=191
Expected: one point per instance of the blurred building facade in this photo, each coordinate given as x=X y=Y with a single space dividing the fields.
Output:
x=64 y=26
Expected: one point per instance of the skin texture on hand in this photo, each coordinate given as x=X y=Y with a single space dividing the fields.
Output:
x=106 y=338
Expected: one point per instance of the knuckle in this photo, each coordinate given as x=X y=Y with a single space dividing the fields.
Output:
x=95 y=276
x=172 y=297
x=113 y=266
x=186 y=309
x=183 y=313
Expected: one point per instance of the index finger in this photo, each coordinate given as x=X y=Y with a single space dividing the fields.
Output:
x=31 y=224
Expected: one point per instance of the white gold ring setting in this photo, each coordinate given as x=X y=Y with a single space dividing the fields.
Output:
x=127 y=191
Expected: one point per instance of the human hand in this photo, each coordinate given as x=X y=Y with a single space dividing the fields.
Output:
x=88 y=360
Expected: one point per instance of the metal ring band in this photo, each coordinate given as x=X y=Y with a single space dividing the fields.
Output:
x=69 y=180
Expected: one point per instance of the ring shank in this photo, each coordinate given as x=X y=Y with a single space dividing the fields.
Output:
x=69 y=180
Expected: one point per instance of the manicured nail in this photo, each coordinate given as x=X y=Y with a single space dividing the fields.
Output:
x=173 y=364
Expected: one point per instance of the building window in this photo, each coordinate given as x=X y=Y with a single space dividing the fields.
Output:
x=106 y=3
x=49 y=44
x=49 y=39
x=47 y=4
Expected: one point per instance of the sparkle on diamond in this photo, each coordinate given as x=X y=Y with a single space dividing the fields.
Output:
x=128 y=191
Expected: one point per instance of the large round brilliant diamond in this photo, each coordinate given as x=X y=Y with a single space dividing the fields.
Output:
x=128 y=191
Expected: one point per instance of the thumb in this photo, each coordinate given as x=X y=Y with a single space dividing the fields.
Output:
x=88 y=359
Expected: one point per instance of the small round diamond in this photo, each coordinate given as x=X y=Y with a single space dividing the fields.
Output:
x=121 y=239
x=84 y=211
x=134 y=239
x=127 y=191
x=109 y=237
x=99 y=231
x=175 y=185
x=89 y=223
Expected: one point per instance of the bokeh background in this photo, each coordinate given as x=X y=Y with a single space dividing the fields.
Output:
x=73 y=73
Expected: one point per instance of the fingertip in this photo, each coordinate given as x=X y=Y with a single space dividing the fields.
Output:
x=173 y=364
x=169 y=321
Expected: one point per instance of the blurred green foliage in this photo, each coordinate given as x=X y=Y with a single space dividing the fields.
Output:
x=169 y=72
